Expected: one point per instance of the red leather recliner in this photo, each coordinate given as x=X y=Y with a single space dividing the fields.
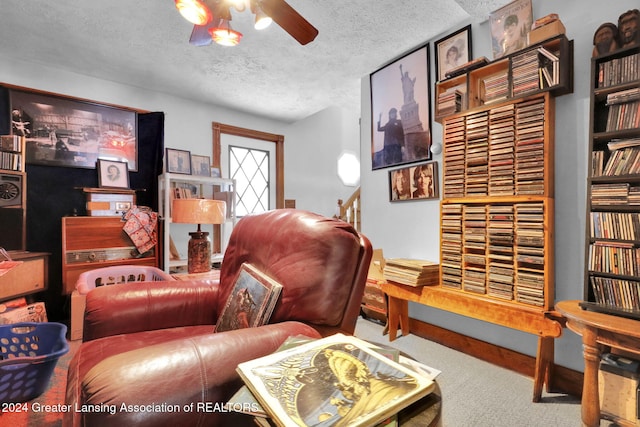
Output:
x=151 y=346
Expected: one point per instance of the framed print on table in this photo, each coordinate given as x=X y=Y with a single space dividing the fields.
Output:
x=414 y=182
x=200 y=165
x=112 y=173
x=509 y=27
x=452 y=51
x=400 y=111
x=178 y=161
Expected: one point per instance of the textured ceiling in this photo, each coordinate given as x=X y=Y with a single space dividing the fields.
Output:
x=144 y=43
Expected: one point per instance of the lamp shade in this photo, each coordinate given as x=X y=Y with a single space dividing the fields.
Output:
x=198 y=211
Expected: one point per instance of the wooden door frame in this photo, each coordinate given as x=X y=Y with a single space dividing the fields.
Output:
x=220 y=128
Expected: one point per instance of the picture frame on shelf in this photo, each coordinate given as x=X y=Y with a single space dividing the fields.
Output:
x=509 y=27
x=178 y=161
x=74 y=133
x=418 y=182
x=401 y=111
x=215 y=173
x=200 y=165
x=112 y=174
x=453 y=51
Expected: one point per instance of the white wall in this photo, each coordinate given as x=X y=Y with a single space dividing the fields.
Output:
x=412 y=229
x=312 y=159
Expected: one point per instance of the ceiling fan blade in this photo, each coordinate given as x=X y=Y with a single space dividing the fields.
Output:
x=290 y=20
x=200 y=35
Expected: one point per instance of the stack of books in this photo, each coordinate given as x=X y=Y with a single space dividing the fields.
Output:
x=411 y=272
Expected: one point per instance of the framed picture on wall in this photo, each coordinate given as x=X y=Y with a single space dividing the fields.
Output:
x=200 y=165
x=453 y=51
x=414 y=182
x=509 y=27
x=62 y=131
x=112 y=173
x=400 y=111
x=178 y=161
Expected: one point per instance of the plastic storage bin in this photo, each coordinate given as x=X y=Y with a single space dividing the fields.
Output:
x=117 y=275
x=28 y=355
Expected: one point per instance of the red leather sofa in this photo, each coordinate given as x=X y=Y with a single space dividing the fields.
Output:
x=150 y=350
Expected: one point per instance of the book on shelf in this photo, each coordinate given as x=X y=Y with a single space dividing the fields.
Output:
x=11 y=152
x=618 y=71
x=338 y=380
x=251 y=301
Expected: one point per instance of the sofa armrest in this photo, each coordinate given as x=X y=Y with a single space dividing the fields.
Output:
x=194 y=371
x=144 y=306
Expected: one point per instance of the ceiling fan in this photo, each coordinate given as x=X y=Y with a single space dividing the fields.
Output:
x=212 y=19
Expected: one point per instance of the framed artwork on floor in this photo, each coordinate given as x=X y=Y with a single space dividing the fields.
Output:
x=400 y=111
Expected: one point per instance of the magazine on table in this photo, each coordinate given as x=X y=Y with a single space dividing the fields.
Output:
x=334 y=381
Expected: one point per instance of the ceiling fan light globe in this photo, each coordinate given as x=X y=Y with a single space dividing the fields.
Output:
x=194 y=11
x=225 y=36
x=262 y=19
x=262 y=22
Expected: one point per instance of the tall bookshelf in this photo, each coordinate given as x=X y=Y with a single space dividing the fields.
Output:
x=612 y=259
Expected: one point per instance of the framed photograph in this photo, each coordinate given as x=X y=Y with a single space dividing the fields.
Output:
x=400 y=111
x=200 y=165
x=417 y=182
x=178 y=161
x=112 y=173
x=67 y=132
x=509 y=27
x=452 y=51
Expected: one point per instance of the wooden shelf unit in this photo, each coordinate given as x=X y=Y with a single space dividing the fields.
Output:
x=613 y=186
x=497 y=219
x=477 y=84
x=13 y=188
x=499 y=244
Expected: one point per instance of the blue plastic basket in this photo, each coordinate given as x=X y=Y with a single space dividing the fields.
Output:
x=29 y=352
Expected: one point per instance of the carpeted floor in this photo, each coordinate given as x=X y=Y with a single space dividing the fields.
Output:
x=478 y=394
x=475 y=393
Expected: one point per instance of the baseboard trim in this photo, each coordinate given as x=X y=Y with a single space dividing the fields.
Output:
x=563 y=380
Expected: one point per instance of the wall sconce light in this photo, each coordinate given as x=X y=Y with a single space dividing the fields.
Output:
x=198 y=211
x=349 y=169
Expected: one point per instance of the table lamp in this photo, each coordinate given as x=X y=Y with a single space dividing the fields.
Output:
x=199 y=211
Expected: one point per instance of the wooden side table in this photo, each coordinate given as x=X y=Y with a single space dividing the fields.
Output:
x=599 y=332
